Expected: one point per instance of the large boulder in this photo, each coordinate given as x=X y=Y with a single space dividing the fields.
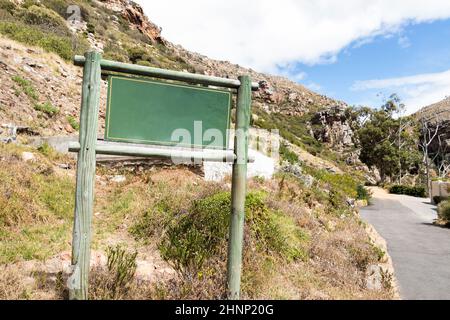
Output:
x=332 y=126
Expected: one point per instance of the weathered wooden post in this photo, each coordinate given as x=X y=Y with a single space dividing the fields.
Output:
x=84 y=197
x=239 y=188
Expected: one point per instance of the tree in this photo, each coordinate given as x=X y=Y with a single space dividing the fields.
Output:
x=429 y=132
x=388 y=142
x=442 y=157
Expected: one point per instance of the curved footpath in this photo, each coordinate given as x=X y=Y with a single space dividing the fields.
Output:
x=420 y=250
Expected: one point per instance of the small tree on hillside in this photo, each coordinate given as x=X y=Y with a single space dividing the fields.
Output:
x=388 y=142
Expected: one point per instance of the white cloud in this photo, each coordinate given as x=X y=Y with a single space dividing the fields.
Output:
x=417 y=91
x=404 y=42
x=265 y=34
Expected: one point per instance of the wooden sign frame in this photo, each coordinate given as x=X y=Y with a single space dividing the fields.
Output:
x=88 y=147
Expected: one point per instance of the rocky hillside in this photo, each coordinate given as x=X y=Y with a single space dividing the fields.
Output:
x=304 y=238
x=439 y=110
x=42 y=92
x=437 y=119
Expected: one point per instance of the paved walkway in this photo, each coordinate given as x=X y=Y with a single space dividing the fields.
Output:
x=420 y=251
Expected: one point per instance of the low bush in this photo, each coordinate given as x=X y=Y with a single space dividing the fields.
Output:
x=287 y=155
x=31 y=35
x=117 y=280
x=27 y=87
x=7 y=5
x=144 y=63
x=136 y=54
x=59 y=6
x=36 y=207
x=73 y=123
x=201 y=233
x=45 y=18
x=416 y=191
x=444 y=211
x=363 y=193
x=439 y=199
x=46 y=108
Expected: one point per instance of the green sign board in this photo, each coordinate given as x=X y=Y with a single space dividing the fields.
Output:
x=161 y=113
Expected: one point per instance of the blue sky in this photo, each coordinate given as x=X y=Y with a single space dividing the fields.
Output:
x=350 y=50
x=418 y=49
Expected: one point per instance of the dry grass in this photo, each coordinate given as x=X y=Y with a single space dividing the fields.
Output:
x=12 y=286
x=36 y=207
x=330 y=260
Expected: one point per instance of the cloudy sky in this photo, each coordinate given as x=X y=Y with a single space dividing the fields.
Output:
x=355 y=50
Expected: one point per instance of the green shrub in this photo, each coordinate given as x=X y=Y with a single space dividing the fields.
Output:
x=345 y=183
x=114 y=56
x=202 y=232
x=144 y=63
x=44 y=18
x=60 y=46
x=80 y=45
x=115 y=52
x=45 y=149
x=363 y=193
x=32 y=35
x=5 y=15
x=47 y=108
x=198 y=234
x=7 y=5
x=26 y=86
x=28 y=3
x=73 y=123
x=288 y=155
x=59 y=6
x=444 y=211
x=136 y=53
x=416 y=191
x=439 y=199
x=122 y=268
x=90 y=28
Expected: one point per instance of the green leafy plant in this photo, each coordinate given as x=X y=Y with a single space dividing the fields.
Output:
x=202 y=232
x=122 y=266
x=26 y=87
x=73 y=123
x=46 y=108
x=417 y=191
x=7 y=5
x=288 y=155
x=32 y=35
x=444 y=211
x=438 y=199
x=363 y=193
x=46 y=19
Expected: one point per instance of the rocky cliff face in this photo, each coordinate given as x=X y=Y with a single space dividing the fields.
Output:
x=438 y=117
x=437 y=112
x=332 y=126
x=133 y=13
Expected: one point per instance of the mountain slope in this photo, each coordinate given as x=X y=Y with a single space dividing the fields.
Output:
x=441 y=110
x=304 y=238
x=120 y=30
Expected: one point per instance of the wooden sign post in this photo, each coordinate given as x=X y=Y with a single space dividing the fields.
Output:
x=143 y=103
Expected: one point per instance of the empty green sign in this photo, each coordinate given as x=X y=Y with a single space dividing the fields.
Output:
x=162 y=113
